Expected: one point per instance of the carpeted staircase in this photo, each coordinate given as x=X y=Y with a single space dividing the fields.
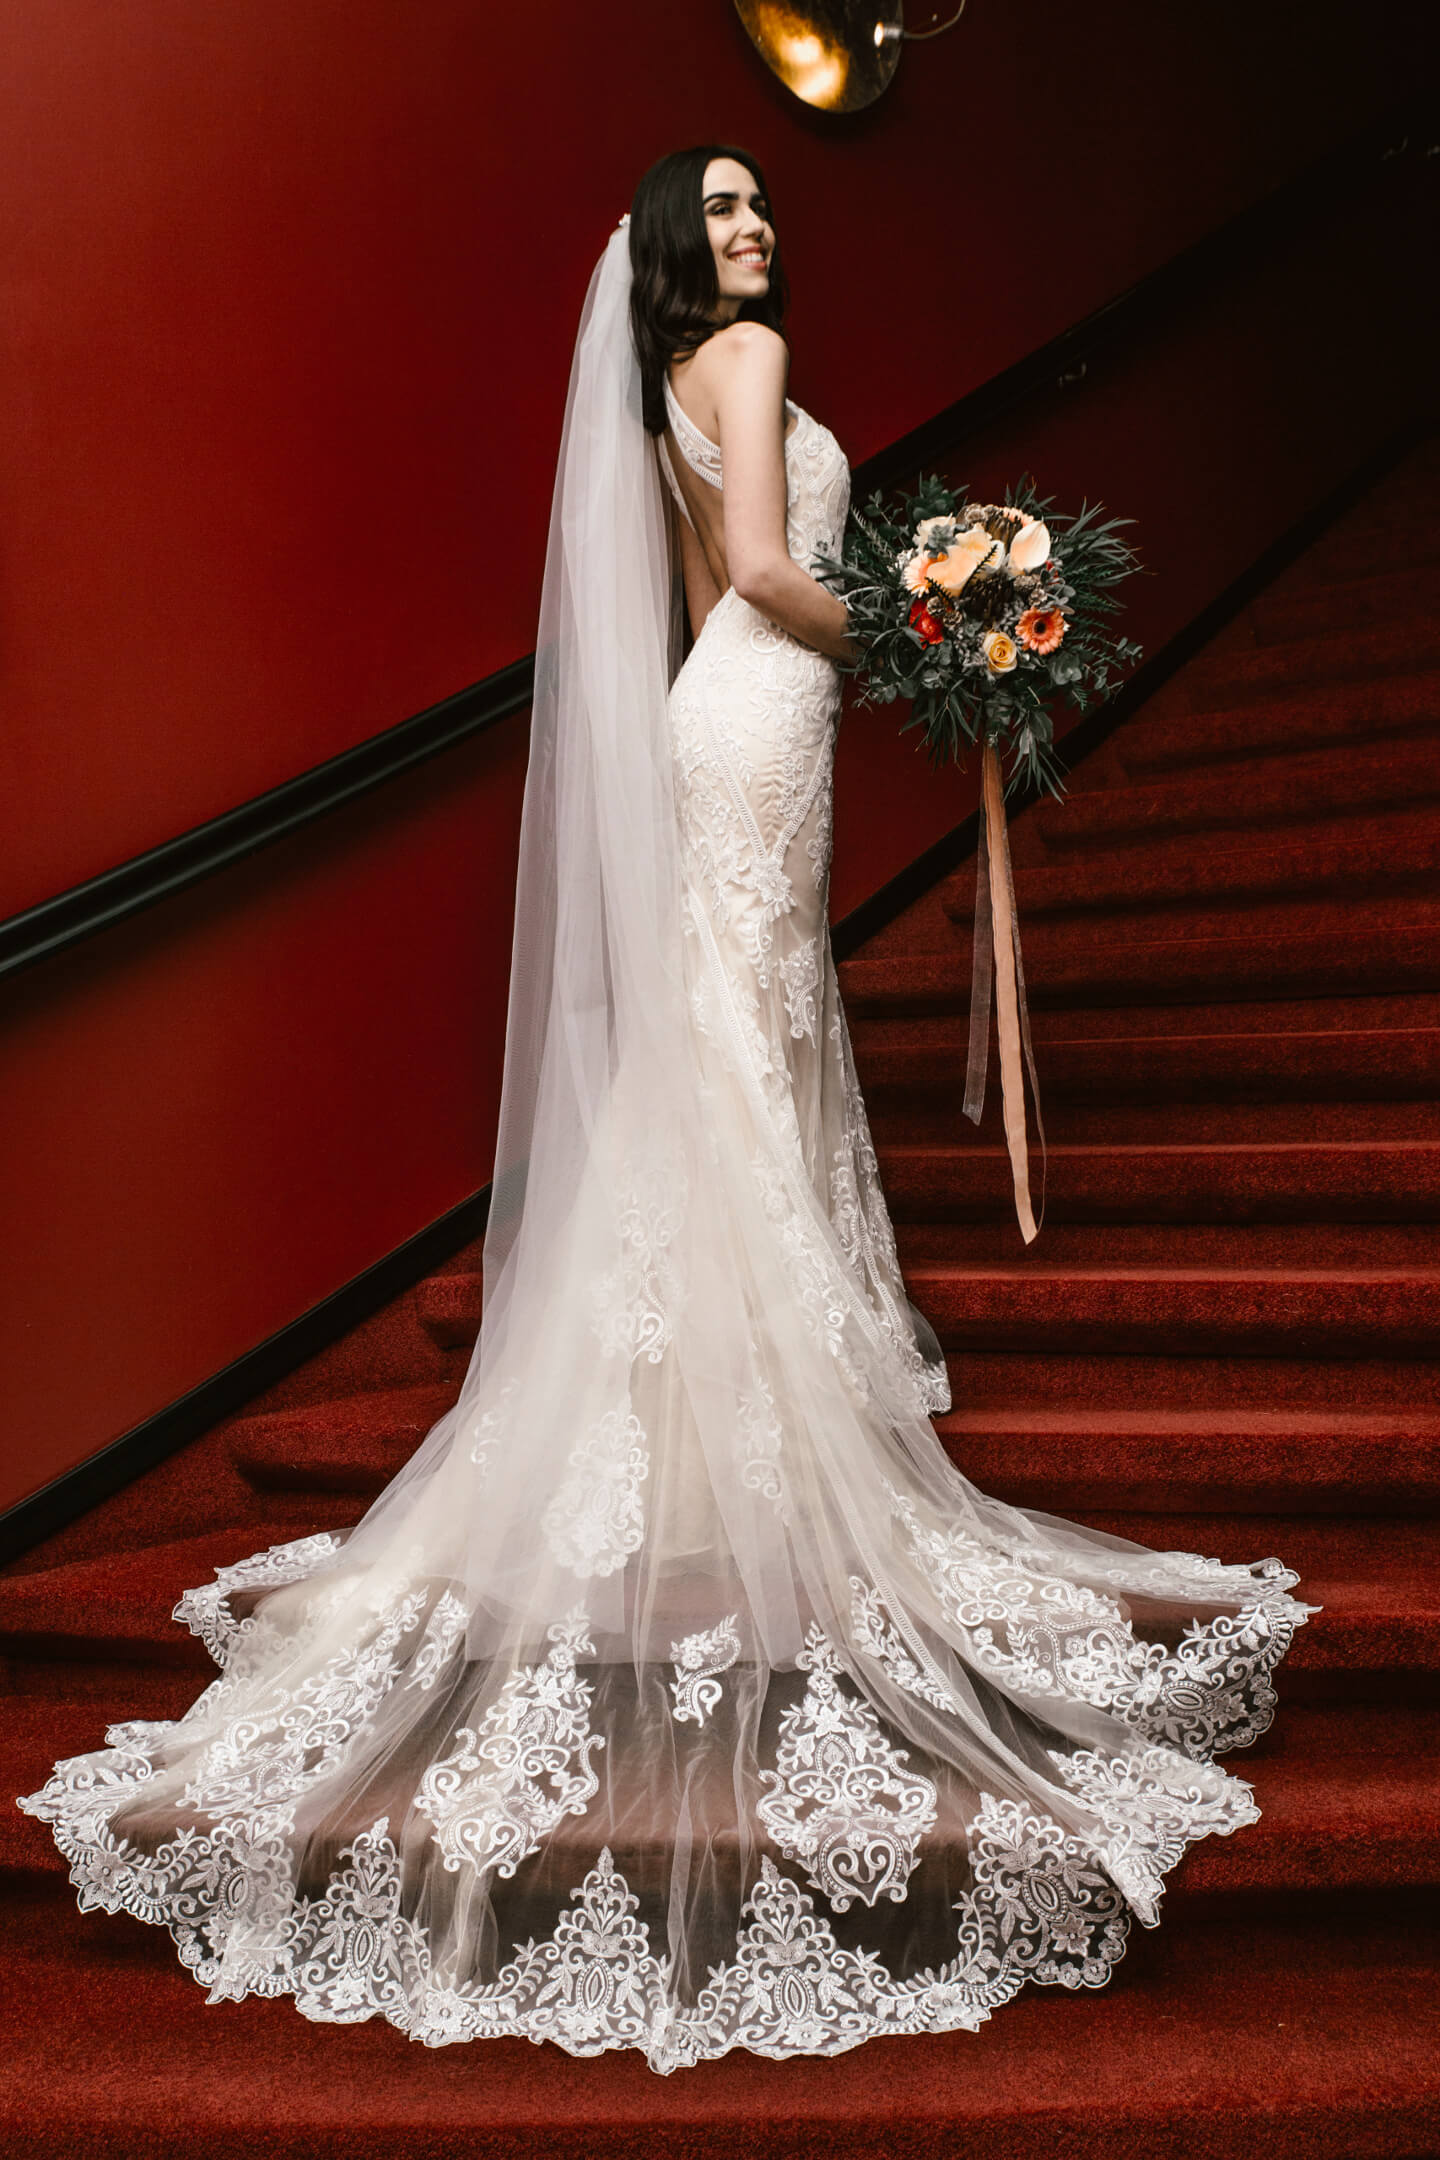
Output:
x=1225 y=1340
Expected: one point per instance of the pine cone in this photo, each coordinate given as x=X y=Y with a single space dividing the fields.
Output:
x=987 y=595
x=1002 y=523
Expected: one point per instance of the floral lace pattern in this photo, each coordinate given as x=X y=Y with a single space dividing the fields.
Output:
x=699 y=1658
x=1048 y=1635
x=596 y=1519
x=839 y=1799
x=506 y=1786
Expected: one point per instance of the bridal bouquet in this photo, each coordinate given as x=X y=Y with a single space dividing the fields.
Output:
x=981 y=614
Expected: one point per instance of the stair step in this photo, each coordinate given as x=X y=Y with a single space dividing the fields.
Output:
x=1380 y=1579
x=1169 y=733
x=1377 y=1578
x=354 y=1444
x=1276 y=1311
x=1187 y=1248
x=1271 y=788
x=1272 y=950
x=1356 y=855
x=1324 y=2052
x=449 y=1307
x=1167 y=1461
x=1011 y=1385
x=120 y=1604
x=1299 y=1181
x=1343 y=651
x=1349 y=1799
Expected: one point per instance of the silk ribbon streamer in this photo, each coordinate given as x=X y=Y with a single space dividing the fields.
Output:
x=997 y=960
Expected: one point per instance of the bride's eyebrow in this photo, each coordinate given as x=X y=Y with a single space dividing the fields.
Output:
x=729 y=195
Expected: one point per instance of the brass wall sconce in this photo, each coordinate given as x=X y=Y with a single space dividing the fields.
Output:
x=835 y=54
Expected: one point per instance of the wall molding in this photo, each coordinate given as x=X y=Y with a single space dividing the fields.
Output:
x=179 y=1422
x=150 y=1442
x=82 y=911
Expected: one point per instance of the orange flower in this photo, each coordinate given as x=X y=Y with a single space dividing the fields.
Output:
x=1041 y=628
x=917 y=571
x=953 y=570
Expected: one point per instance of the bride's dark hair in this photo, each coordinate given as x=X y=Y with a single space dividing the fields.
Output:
x=674 y=289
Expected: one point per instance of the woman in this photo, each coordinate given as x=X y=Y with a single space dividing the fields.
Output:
x=680 y=1694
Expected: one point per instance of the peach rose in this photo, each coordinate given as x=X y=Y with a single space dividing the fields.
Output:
x=1000 y=653
x=953 y=570
x=1030 y=547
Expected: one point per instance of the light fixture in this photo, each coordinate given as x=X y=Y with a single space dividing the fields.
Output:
x=835 y=54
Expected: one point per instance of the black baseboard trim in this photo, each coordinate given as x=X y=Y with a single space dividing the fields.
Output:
x=100 y=902
x=97 y=904
x=76 y=1491
x=952 y=848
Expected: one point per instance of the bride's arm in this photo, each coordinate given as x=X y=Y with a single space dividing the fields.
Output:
x=749 y=369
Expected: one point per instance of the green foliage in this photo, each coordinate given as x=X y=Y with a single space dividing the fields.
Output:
x=955 y=699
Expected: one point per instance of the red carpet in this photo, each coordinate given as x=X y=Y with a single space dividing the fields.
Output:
x=1227 y=1339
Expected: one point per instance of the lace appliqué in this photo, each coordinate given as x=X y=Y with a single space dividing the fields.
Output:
x=877 y=1635
x=596 y=1519
x=443 y=1631
x=490 y=1425
x=761 y=1440
x=277 y=1746
x=799 y=978
x=1044 y=1634
x=839 y=1799
x=634 y=1300
x=205 y=1610
x=698 y=1658
x=506 y=1786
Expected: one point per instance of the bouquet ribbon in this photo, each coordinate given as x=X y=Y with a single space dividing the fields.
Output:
x=997 y=959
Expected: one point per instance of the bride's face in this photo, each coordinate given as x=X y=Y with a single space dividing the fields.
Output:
x=742 y=239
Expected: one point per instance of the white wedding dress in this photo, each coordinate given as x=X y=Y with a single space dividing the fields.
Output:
x=680 y=1694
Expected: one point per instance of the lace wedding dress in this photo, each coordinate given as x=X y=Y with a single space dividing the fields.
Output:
x=680 y=1694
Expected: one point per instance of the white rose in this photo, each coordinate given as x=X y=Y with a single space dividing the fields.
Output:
x=927 y=529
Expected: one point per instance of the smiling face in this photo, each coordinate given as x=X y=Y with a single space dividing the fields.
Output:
x=742 y=239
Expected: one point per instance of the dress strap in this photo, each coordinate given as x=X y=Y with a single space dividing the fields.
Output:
x=671 y=482
x=699 y=453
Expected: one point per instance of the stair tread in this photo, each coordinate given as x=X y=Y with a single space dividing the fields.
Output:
x=1345 y=2014
x=1227 y=1342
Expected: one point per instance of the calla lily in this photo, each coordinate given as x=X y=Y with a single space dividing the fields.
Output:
x=1030 y=547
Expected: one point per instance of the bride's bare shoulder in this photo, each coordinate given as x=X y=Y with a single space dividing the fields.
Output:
x=746 y=345
x=745 y=359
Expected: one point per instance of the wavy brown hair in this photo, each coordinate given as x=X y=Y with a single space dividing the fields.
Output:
x=674 y=289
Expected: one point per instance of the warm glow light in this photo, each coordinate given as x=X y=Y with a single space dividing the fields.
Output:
x=835 y=54
x=815 y=72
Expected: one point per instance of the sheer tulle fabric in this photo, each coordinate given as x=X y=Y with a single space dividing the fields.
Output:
x=679 y=1694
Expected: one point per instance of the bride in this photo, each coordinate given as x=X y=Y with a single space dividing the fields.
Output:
x=680 y=1694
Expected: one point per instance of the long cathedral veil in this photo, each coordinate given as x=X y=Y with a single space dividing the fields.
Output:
x=597 y=992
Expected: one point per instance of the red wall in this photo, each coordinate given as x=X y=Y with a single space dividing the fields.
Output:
x=292 y=299
x=291 y=294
